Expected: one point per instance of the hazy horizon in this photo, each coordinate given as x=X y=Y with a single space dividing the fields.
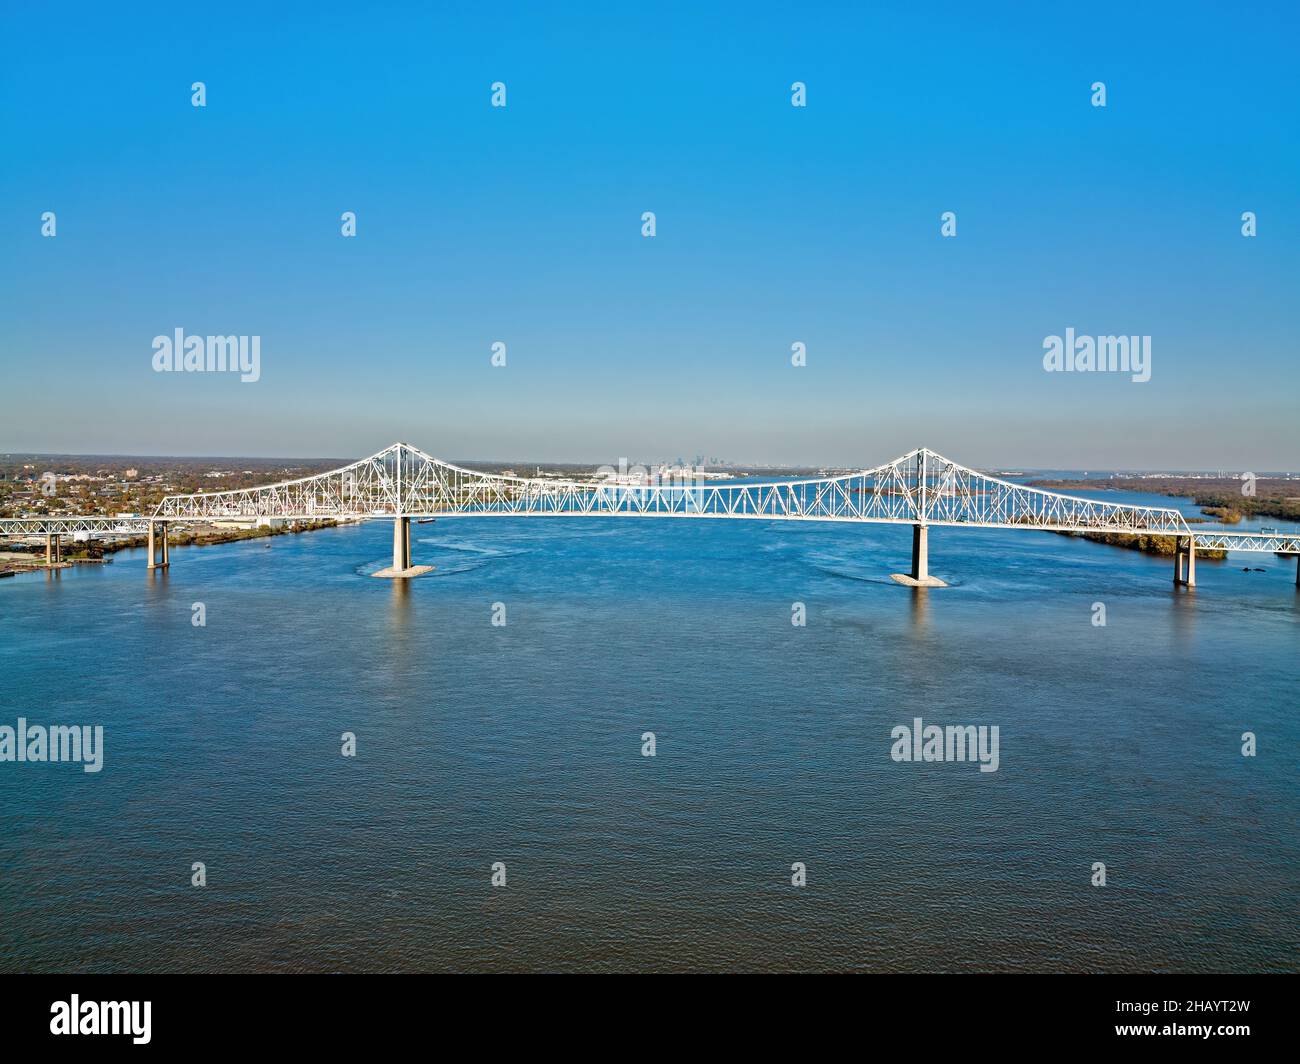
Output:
x=594 y=463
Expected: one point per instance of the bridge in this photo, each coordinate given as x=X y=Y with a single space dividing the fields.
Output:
x=922 y=489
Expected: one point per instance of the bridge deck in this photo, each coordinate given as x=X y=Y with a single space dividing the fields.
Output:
x=920 y=488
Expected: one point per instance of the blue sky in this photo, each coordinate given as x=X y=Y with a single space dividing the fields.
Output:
x=775 y=224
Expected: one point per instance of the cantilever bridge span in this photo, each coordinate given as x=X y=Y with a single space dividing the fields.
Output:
x=921 y=489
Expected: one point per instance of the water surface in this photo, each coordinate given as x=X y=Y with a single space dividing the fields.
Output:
x=521 y=744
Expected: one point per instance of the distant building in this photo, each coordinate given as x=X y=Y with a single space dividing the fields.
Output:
x=248 y=522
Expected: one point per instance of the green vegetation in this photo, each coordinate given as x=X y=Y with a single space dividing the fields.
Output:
x=1274 y=496
x=1225 y=514
x=1162 y=545
x=95 y=550
x=103 y=486
x=1287 y=507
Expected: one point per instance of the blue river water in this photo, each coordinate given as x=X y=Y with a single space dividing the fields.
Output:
x=521 y=743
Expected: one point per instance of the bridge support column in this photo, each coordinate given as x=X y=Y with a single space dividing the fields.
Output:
x=920 y=553
x=920 y=574
x=49 y=549
x=401 y=543
x=159 y=555
x=402 y=566
x=1185 y=562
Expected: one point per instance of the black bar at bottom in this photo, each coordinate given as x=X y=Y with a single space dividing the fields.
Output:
x=340 y=1013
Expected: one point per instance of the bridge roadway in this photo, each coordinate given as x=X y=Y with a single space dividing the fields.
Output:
x=921 y=488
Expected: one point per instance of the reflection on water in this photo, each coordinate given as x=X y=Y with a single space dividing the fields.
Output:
x=920 y=603
x=401 y=599
x=1183 y=611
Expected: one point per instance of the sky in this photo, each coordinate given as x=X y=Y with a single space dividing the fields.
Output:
x=775 y=225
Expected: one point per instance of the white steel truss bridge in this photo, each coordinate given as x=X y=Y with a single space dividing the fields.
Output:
x=921 y=489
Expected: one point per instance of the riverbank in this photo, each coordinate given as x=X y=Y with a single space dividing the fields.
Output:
x=21 y=558
x=1218 y=497
x=1161 y=545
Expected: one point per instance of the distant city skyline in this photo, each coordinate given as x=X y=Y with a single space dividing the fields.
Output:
x=714 y=462
x=776 y=225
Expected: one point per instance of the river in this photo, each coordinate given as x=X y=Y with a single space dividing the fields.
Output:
x=520 y=743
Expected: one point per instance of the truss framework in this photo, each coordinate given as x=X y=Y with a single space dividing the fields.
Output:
x=920 y=487
x=1275 y=542
x=67 y=526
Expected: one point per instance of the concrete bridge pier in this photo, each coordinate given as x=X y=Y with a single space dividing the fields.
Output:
x=1185 y=562
x=402 y=566
x=401 y=543
x=53 y=549
x=920 y=574
x=159 y=549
